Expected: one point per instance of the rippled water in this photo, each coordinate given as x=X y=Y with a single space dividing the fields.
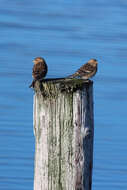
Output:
x=66 y=34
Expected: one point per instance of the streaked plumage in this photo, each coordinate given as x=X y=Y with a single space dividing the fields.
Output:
x=40 y=69
x=86 y=71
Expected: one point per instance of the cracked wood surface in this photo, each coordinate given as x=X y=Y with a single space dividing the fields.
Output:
x=64 y=130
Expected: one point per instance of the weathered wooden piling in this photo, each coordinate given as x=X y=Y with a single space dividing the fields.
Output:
x=64 y=130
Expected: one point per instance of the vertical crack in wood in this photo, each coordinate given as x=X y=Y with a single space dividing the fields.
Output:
x=79 y=147
x=60 y=185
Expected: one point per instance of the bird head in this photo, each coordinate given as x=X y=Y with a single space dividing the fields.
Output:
x=38 y=60
x=93 y=62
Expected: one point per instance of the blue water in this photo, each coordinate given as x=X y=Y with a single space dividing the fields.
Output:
x=66 y=34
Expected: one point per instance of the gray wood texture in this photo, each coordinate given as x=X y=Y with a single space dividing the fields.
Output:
x=64 y=130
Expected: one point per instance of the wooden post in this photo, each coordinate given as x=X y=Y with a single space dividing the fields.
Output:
x=64 y=130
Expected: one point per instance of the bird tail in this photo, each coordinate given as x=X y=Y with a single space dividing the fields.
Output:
x=32 y=84
x=73 y=75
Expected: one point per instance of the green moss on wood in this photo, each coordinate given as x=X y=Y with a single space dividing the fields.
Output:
x=52 y=88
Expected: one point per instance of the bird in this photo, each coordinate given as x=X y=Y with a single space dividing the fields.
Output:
x=39 y=71
x=86 y=71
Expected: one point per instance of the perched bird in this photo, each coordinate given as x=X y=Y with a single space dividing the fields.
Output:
x=40 y=69
x=86 y=71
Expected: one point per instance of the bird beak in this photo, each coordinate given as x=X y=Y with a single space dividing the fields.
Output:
x=33 y=61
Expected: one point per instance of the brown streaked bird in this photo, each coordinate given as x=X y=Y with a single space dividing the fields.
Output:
x=40 y=69
x=87 y=70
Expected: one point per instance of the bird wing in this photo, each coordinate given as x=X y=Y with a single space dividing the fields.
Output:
x=86 y=69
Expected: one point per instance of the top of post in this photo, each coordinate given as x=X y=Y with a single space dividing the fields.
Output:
x=52 y=87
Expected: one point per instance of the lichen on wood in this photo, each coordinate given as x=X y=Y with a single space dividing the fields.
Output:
x=52 y=88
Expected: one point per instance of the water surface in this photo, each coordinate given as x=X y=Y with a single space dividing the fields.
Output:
x=66 y=34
